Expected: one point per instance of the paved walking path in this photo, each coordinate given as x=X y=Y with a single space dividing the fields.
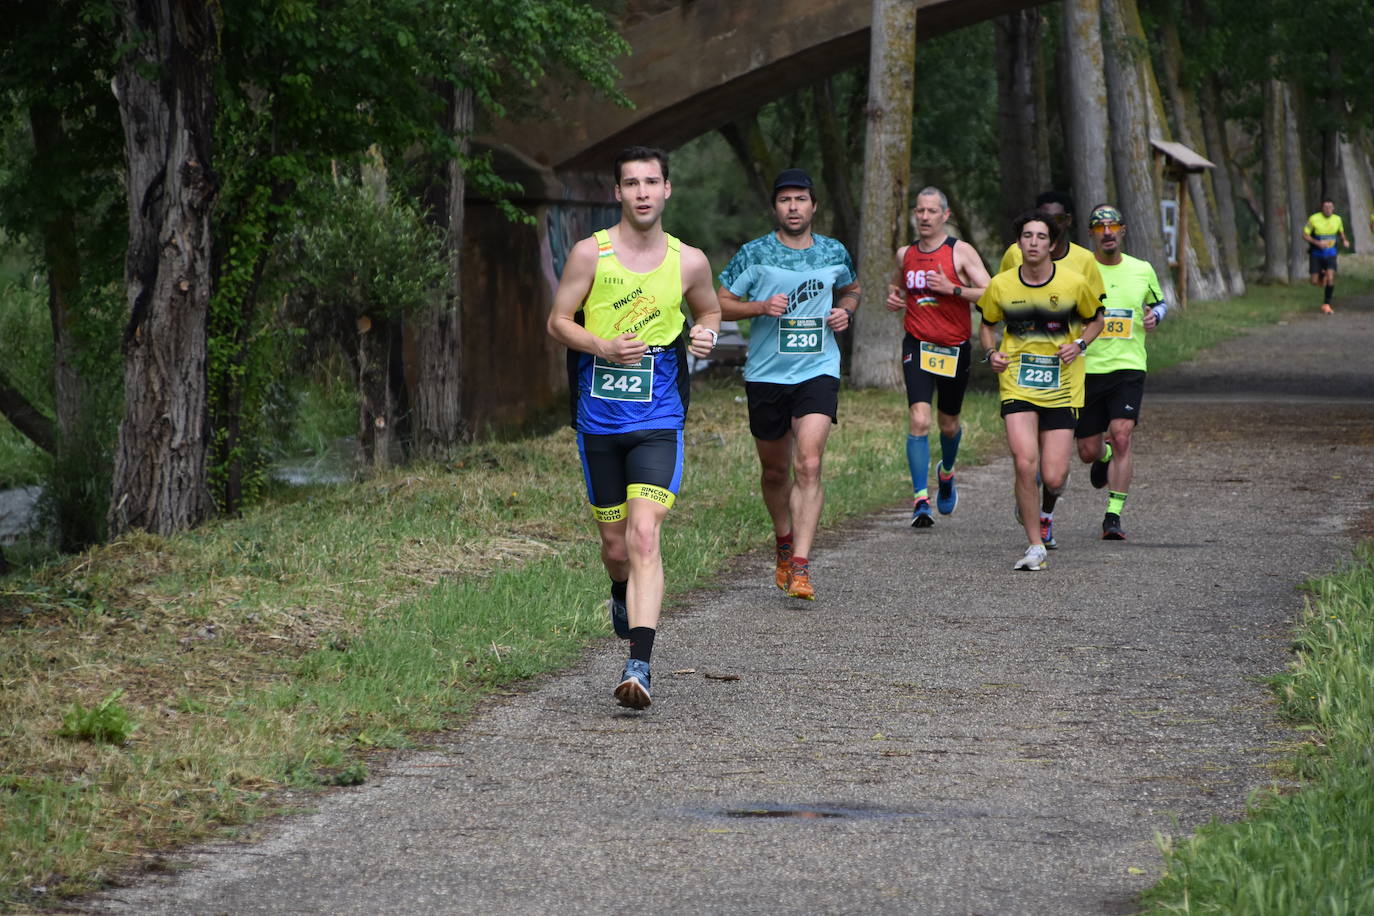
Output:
x=936 y=734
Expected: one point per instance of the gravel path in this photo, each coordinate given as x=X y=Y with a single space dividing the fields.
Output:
x=936 y=734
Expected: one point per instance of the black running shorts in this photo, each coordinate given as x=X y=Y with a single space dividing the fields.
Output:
x=1050 y=417
x=646 y=464
x=772 y=408
x=921 y=384
x=1109 y=396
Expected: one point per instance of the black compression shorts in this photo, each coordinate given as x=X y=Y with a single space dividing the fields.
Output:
x=645 y=464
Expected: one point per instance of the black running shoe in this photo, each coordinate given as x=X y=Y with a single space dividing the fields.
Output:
x=1111 y=528
x=620 y=618
x=1097 y=473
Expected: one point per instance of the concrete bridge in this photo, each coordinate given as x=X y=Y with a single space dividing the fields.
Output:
x=695 y=66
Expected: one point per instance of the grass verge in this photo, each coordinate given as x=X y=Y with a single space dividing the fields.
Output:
x=156 y=690
x=1310 y=852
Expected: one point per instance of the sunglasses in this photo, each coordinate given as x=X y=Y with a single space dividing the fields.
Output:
x=1100 y=228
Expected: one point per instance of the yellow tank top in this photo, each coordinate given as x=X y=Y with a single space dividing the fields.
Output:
x=647 y=305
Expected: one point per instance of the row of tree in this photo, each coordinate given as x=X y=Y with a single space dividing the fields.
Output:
x=1277 y=94
x=270 y=170
x=162 y=208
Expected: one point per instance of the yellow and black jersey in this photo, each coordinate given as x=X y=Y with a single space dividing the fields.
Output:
x=1039 y=320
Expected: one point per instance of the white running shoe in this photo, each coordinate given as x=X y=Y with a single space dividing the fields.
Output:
x=1034 y=558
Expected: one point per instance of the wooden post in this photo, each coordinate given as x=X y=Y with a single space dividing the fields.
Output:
x=1182 y=240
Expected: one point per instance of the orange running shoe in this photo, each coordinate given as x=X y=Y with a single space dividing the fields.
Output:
x=799 y=582
x=783 y=565
x=1326 y=308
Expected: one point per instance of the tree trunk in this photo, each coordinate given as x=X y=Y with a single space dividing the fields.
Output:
x=29 y=420
x=1297 y=185
x=437 y=418
x=750 y=146
x=887 y=171
x=1218 y=150
x=1276 y=215
x=1023 y=146
x=76 y=444
x=165 y=86
x=1129 y=81
x=1330 y=183
x=1356 y=174
x=376 y=409
x=835 y=160
x=1206 y=279
x=1084 y=107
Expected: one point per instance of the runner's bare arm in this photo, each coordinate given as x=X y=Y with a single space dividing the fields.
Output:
x=896 y=290
x=733 y=308
x=838 y=319
x=987 y=336
x=1070 y=351
x=969 y=265
x=698 y=291
x=573 y=288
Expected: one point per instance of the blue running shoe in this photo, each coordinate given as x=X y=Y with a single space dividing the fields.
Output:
x=633 y=689
x=1047 y=533
x=947 y=496
x=620 y=618
x=920 y=514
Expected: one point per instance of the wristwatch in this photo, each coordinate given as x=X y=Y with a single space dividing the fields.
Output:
x=1082 y=344
x=958 y=290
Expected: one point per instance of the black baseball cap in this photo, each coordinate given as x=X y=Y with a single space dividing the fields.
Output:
x=793 y=178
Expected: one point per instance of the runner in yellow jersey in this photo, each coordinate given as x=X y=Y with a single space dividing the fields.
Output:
x=629 y=387
x=1059 y=206
x=1320 y=233
x=1051 y=314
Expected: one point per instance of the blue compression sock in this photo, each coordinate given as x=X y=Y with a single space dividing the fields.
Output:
x=949 y=449
x=918 y=460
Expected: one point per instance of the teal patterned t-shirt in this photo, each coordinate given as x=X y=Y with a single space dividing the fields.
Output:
x=798 y=346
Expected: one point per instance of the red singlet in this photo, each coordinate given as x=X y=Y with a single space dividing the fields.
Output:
x=942 y=320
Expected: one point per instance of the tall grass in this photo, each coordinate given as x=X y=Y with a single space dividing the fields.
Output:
x=1311 y=852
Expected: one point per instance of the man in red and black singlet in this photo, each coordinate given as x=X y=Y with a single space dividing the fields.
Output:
x=936 y=279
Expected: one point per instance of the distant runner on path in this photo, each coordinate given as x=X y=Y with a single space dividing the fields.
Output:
x=798 y=290
x=618 y=311
x=1114 y=385
x=1320 y=232
x=1051 y=315
x=936 y=279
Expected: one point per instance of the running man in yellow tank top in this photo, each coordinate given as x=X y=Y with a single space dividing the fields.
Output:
x=628 y=382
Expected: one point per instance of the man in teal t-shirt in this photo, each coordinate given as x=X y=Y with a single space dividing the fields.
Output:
x=1115 y=381
x=798 y=290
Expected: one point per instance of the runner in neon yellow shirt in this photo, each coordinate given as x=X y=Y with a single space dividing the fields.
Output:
x=1320 y=233
x=1115 y=382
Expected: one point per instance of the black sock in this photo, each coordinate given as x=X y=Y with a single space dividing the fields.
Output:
x=1329 y=291
x=641 y=643
x=618 y=590
x=1047 y=500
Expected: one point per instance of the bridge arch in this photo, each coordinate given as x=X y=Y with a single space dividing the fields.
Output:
x=695 y=65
